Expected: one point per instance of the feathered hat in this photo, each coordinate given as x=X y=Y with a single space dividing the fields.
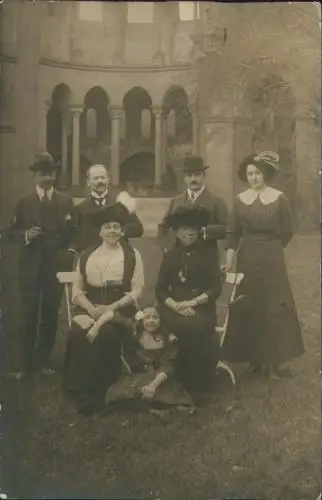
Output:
x=267 y=160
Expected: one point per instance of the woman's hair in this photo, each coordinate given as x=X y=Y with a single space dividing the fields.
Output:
x=266 y=162
x=267 y=171
x=139 y=327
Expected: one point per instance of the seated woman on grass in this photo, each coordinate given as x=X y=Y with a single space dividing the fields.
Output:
x=152 y=353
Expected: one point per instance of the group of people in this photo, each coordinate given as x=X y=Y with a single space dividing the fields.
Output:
x=164 y=354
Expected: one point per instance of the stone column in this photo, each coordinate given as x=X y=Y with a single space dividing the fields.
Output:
x=225 y=141
x=164 y=154
x=64 y=148
x=116 y=117
x=195 y=132
x=42 y=125
x=157 y=146
x=76 y=112
x=308 y=162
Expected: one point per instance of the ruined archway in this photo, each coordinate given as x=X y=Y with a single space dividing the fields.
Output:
x=58 y=111
x=95 y=130
x=139 y=128
x=137 y=174
x=273 y=117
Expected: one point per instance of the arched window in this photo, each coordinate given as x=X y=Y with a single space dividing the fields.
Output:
x=91 y=124
x=140 y=12
x=90 y=11
x=51 y=9
x=171 y=123
x=188 y=11
x=146 y=123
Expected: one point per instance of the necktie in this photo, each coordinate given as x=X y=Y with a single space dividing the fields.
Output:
x=100 y=202
x=192 y=197
x=45 y=196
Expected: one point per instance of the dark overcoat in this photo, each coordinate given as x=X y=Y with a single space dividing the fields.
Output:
x=216 y=230
x=88 y=234
x=26 y=215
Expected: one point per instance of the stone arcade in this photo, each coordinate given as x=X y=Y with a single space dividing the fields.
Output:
x=138 y=86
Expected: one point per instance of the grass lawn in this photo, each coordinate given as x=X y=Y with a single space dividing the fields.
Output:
x=260 y=441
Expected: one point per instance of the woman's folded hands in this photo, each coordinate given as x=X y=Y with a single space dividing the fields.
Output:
x=185 y=308
x=105 y=316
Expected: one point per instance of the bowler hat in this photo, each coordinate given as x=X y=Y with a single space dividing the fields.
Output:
x=188 y=215
x=267 y=160
x=44 y=162
x=193 y=164
x=112 y=213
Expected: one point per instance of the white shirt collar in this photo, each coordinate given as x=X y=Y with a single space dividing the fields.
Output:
x=98 y=196
x=41 y=192
x=196 y=194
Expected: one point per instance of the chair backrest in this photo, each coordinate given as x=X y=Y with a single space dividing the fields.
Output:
x=234 y=278
x=66 y=277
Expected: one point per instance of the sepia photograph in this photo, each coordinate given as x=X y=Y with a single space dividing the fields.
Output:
x=160 y=224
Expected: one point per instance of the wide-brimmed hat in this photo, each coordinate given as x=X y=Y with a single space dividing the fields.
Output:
x=112 y=213
x=44 y=162
x=268 y=160
x=188 y=215
x=193 y=164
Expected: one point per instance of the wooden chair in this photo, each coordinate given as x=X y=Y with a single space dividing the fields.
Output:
x=232 y=280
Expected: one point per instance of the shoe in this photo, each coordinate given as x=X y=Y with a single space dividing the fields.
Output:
x=255 y=368
x=186 y=409
x=22 y=375
x=47 y=371
x=282 y=372
x=89 y=409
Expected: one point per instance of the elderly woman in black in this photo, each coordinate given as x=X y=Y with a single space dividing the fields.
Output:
x=189 y=282
x=109 y=279
x=263 y=328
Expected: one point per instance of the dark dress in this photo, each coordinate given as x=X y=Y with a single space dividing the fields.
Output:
x=90 y=368
x=264 y=329
x=145 y=364
x=185 y=273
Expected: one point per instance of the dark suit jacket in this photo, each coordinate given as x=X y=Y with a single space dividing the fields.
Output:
x=216 y=230
x=87 y=233
x=27 y=214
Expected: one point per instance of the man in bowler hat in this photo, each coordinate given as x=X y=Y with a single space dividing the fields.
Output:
x=101 y=195
x=196 y=193
x=43 y=223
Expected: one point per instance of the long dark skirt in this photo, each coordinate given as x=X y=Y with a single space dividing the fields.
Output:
x=90 y=368
x=198 y=347
x=127 y=387
x=264 y=328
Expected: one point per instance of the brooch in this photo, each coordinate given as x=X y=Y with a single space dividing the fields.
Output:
x=68 y=217
x=182 y=278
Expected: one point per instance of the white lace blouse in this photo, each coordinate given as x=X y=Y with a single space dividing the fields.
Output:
x=108 y=265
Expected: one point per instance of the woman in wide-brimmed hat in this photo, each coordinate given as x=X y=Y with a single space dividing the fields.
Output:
x=188 y=285
x=109 y=279
x=263 y=328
